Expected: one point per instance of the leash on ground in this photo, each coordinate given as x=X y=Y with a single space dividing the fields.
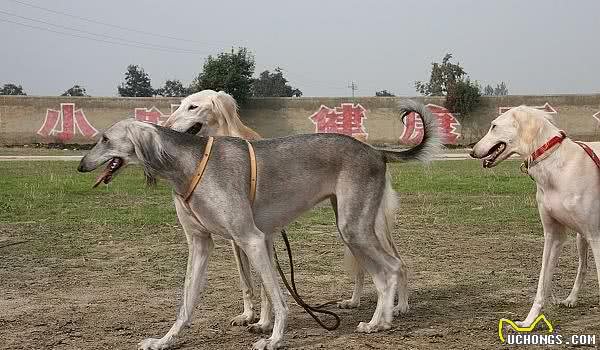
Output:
x=311 y=310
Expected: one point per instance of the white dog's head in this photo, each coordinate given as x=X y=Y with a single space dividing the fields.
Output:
x=205 y=113
x=517 y=131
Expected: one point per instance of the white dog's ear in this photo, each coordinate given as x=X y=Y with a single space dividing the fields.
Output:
x=550 y=118
x=224 y=105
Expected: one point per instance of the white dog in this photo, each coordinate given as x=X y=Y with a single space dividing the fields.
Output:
x=568 y=188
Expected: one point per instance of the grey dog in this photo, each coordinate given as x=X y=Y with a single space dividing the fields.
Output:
x=302 y=171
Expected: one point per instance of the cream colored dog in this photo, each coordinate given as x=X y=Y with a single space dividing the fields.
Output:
x=568 y=189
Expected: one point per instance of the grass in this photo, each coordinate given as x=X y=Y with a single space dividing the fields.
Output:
x=56 y=195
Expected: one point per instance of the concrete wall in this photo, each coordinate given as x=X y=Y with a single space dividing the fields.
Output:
x=25 y=119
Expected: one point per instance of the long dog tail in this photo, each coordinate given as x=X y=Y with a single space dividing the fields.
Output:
x=429 y=147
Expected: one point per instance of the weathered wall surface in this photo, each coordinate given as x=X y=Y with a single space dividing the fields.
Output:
x=25 y=119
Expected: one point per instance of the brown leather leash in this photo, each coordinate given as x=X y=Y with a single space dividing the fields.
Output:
x=311 y=310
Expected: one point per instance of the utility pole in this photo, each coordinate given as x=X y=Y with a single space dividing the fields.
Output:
x=352 y=86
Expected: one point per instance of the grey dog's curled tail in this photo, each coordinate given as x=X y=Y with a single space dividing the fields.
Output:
x=429 y=147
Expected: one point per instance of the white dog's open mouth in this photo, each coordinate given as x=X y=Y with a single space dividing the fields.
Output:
x=490 y=159
x=194 y=129
x=111 y=168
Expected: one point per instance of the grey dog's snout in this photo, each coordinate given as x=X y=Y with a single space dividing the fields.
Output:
x=82 y=168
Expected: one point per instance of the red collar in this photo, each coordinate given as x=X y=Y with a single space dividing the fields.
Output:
x=548 y=145
x=534 y=158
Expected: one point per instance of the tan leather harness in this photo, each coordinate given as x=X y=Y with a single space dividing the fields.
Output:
x=199 y=173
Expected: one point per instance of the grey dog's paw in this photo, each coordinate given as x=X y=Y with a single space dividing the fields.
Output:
x=365 y=327
x=242 y=320
x=259 y=328
x=267 y=344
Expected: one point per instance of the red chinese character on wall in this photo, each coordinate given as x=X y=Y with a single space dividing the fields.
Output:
x=413 y=126
x=66 y=122
x=152 y=115
x=346 y=119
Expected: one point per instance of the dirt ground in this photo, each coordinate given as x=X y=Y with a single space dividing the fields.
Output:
x=101 y=288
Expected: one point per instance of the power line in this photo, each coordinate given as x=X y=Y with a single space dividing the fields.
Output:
x=87 y=37
x=90 y=20
x=103 y=35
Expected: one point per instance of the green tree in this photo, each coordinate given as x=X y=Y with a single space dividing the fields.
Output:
x=442 y=76
x=499 y=90
x=137 y=83
x=229 y=72
x=488 y=90
x=463 y=96
x=273 y=85
x=76 y=90
x=172 y=88
x=384 y=93
x=12 y=89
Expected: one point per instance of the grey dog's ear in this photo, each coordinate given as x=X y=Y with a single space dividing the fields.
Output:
x=148 y=148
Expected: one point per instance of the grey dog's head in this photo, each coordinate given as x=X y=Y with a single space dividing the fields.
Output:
x=121 y=144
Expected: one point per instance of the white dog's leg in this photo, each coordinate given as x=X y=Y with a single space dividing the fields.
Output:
x=258 y=250
x=554 y=237
x=595 y=244
x=358 y=272
x=200 y=245
x=243 y=265
x=582 y=252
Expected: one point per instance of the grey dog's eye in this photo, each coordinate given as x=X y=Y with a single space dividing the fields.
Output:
x=192 y=107
x=104 y=139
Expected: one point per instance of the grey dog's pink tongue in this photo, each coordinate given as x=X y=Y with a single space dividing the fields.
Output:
x=106 y=175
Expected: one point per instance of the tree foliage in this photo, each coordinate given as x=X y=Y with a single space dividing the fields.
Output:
x=76 y=90
x=463 y=96
x=499 y=90
x=273 y=85
x=230 y=72
x=384 y=93
x=137 y=83
x=442 y=76
x=172 y=88
x=12 y=89
x=451 y=80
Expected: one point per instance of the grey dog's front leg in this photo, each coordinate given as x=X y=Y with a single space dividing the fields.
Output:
x=243 y=265
x=200 y=245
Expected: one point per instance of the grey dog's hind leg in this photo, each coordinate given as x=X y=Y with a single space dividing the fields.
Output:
x=357 y=209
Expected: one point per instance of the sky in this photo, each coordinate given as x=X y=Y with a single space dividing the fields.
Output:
x=535 y=46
